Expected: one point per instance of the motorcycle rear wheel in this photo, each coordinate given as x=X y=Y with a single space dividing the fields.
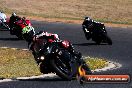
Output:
x=19 y=36
x=97 y=40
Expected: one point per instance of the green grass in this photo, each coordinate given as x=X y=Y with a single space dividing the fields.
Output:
x=17 y=63
x=20 y=63
x=96 y=63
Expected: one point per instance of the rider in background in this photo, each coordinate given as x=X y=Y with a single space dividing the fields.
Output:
x=88 y=23
x=2 y=19
x=90 y=26
x=13 y=19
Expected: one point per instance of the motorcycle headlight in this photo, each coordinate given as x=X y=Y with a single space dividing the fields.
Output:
x=42 y=57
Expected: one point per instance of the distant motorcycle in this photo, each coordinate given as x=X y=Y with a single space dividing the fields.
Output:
x=56 y=59
x=97 y=33
x=4 y=25
x=19 y=26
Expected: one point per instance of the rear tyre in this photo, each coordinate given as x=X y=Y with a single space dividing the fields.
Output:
x=19 y=36
x=97 y=41
x=81 y=79
x=87 y=69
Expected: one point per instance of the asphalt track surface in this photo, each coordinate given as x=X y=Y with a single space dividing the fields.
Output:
x=119 y=52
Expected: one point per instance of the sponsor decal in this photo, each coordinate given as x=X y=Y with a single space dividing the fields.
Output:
x=106 y=78
x=82 y=77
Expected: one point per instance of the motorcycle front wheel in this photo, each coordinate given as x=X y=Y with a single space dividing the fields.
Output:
x=66 y=70
x=107 y=39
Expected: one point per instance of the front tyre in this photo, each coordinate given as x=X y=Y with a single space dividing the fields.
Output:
x=108 y=39
x=62 y=69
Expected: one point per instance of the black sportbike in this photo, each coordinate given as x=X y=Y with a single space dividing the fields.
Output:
x=97 y=32
x=56 y=59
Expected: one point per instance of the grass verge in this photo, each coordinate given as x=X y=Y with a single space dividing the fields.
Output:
x=17 y=63
x=96 y=63
x=109 y=11
x=20 y=63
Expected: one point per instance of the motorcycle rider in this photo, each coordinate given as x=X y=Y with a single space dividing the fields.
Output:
x=31 y=37
x=12 y=20
x=2 y=18
x=89 y=26
x=49 y=37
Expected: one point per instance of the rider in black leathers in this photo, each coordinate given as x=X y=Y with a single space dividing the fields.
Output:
x=90 y=26
x=49 y=37
x=12 y=20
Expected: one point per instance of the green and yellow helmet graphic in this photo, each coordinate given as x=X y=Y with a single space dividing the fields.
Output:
x=27 y=29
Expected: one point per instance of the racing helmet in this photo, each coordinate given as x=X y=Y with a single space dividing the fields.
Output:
x=23 y=18
x=13 y=14
x=88 y=19
x=28 y=33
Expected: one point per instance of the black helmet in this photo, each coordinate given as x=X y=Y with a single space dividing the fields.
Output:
x=28 y=33
x=88 y=19
x=13 y=14
x=23 y=18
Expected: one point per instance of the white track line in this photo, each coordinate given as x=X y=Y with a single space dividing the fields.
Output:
x=110 y=66
x=45 y=76
x=5 y=80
